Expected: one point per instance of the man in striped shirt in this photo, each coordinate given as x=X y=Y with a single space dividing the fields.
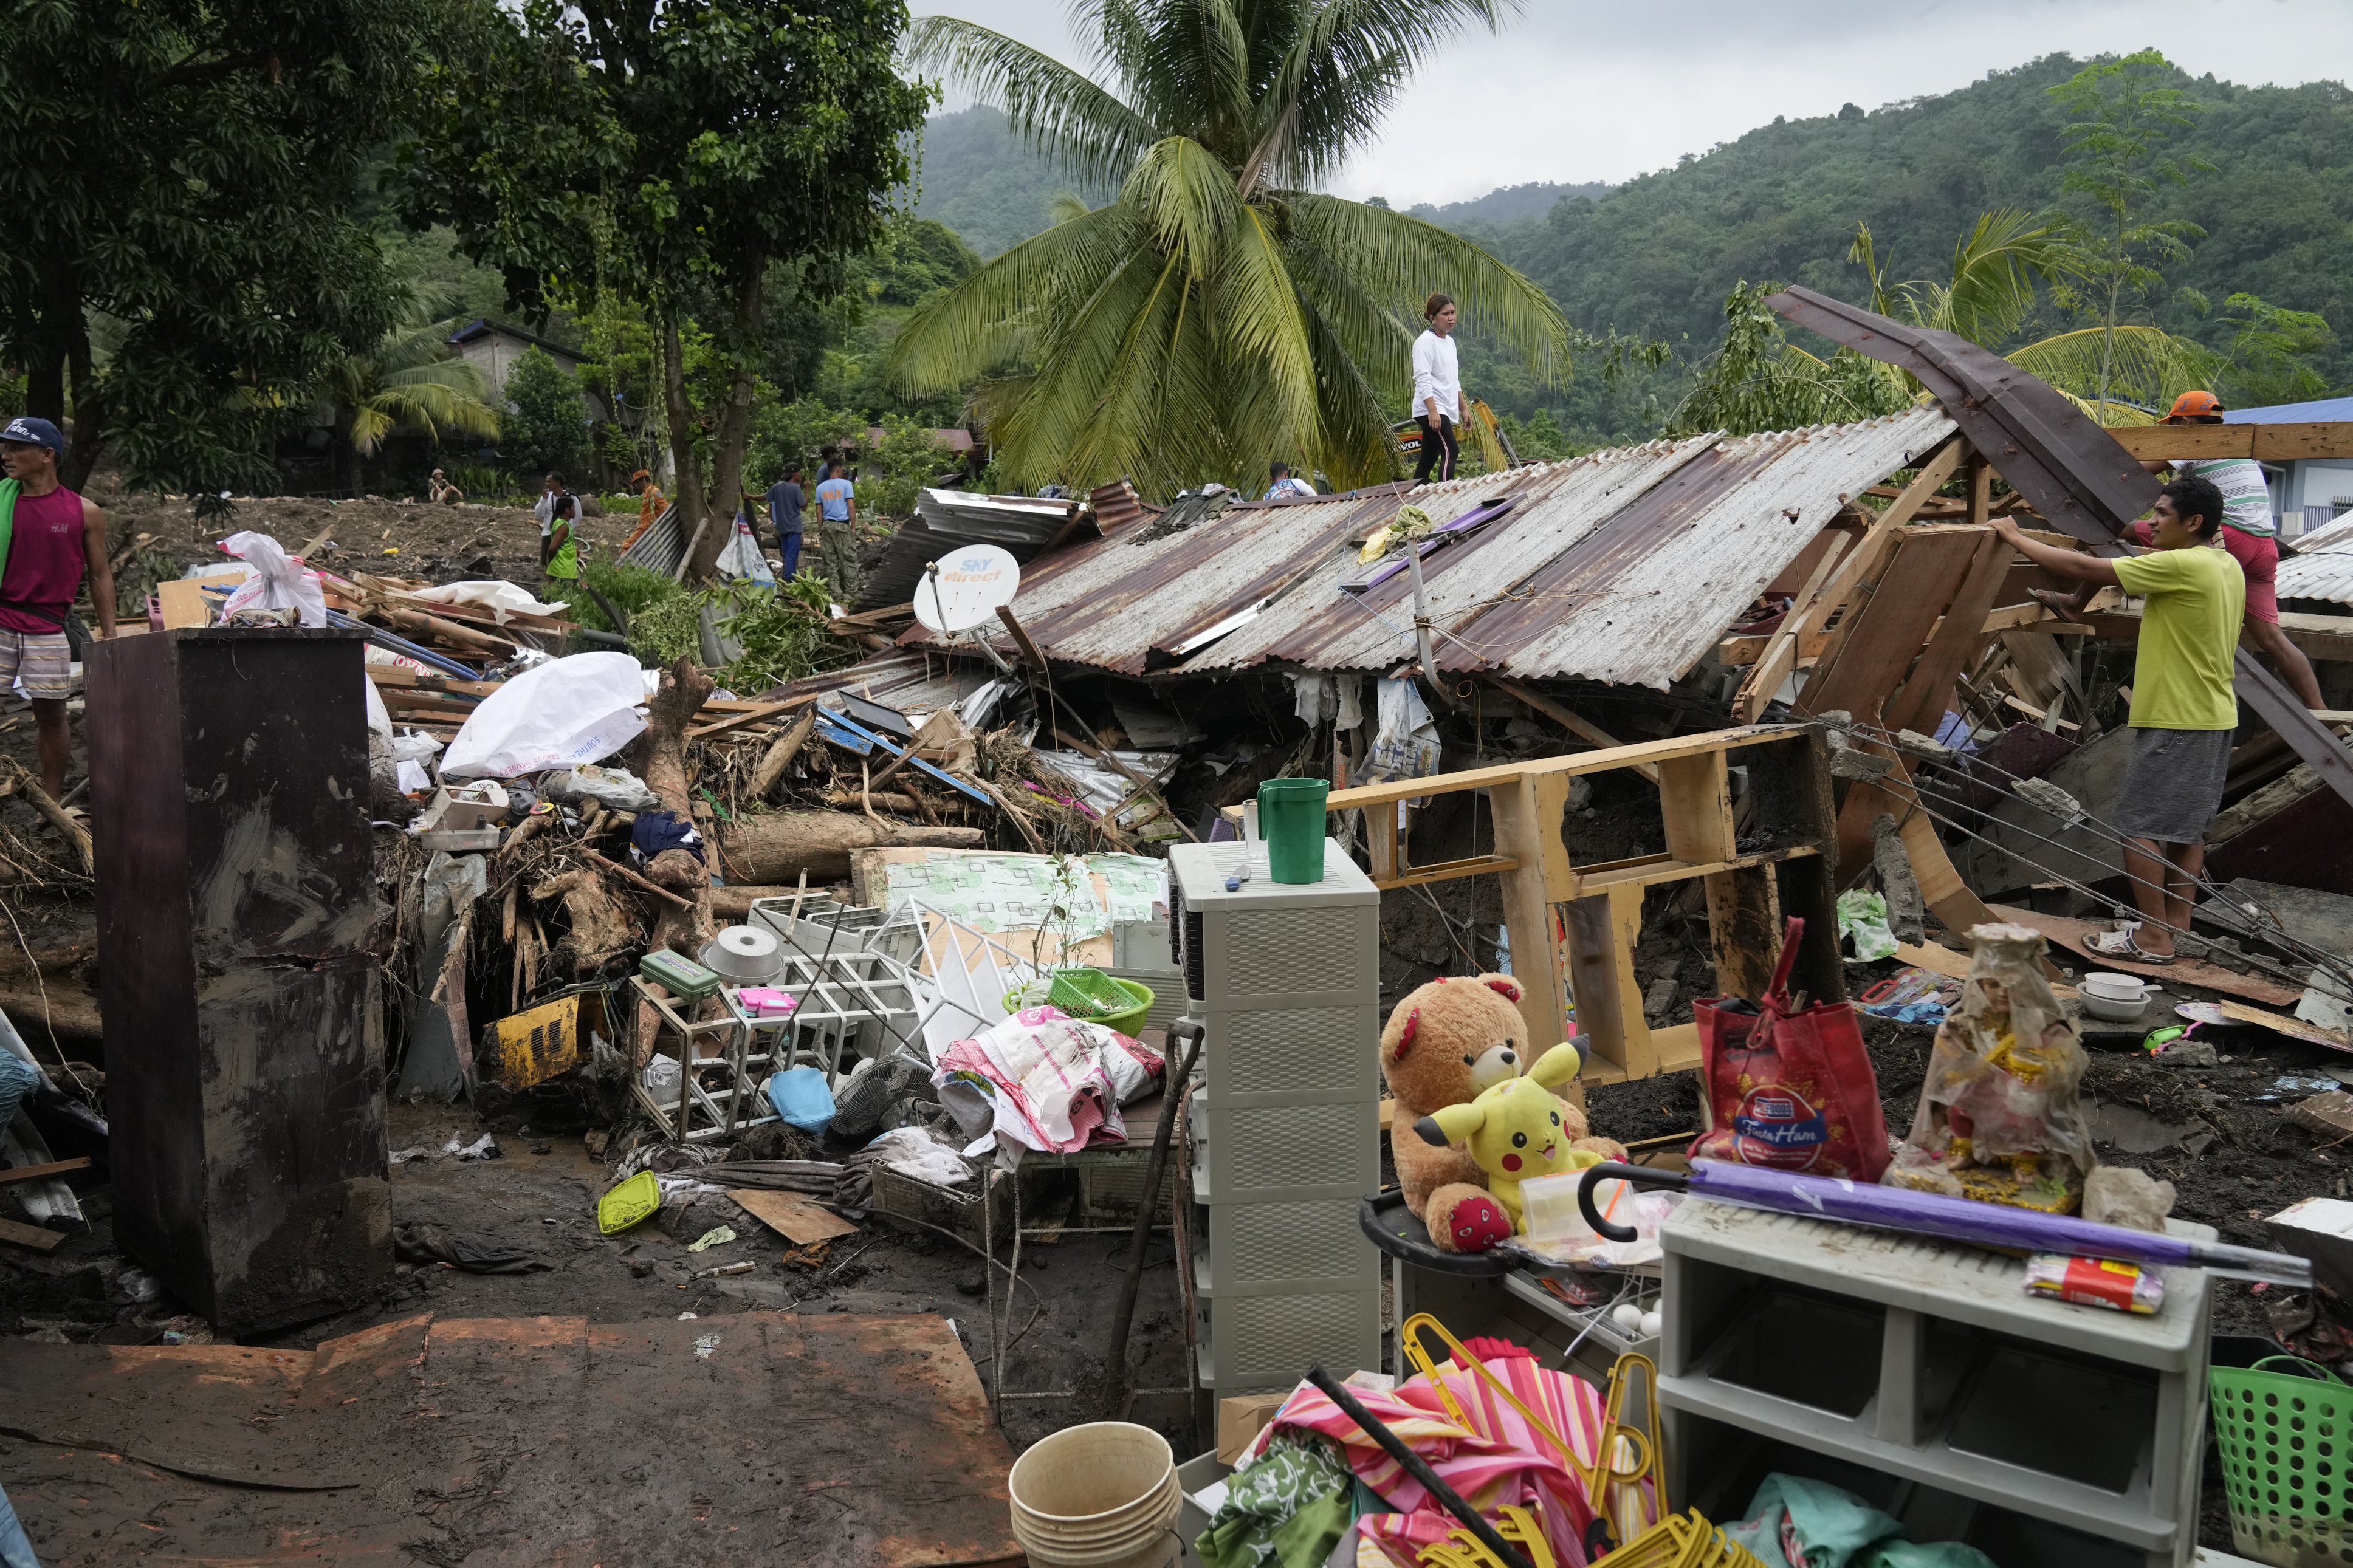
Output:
x=2248 y=532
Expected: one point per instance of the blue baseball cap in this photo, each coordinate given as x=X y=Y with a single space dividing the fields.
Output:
x=34 y=432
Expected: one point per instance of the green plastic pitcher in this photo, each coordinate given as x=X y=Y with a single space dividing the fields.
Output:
x=1290 y=820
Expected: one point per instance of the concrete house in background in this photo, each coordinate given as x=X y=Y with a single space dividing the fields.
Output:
x=494 y=347
x=2307 y=493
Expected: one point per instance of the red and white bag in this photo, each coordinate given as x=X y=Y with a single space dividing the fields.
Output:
x=1787 y=1090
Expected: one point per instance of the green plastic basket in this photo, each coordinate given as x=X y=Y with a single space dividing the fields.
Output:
x=1097 y=998
x=2283 y=1438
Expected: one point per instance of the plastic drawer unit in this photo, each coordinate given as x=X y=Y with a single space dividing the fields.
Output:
x=1922 y=1376
x=1284 y=1124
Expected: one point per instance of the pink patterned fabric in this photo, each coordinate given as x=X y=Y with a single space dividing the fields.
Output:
x=1497 y=1458
x=1053 y=1082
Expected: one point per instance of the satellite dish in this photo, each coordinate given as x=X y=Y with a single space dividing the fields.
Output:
x=964 y=588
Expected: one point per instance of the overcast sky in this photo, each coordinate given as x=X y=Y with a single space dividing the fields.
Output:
x=1572 y=91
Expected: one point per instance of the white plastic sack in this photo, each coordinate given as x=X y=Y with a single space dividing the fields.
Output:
x=499 y=598
x=379 y=716
x=277 y=581
x=913 y=1152
x=741 y=558
x=618 y=788
x=578 y=709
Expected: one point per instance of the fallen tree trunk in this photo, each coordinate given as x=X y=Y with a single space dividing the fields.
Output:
x=734 y=903
x=68 y=1012
x=778 y=846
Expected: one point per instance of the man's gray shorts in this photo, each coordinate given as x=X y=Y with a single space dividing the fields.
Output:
x=2173 y=784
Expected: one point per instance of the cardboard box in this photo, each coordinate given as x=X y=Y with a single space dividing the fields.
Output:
x=1241 y=1418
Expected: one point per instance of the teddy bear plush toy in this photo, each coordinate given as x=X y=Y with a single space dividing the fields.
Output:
x=1445 y=1043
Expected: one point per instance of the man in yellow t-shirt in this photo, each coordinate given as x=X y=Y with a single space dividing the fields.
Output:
x=2184 y=704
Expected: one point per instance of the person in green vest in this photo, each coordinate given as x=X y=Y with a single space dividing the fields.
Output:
x=562 y=544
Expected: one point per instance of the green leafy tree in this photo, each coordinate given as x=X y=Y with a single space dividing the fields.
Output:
x=1219 y=311
x=411 y=379
x=2270 y=354
x=1759 y=380
x=546 y=426
x=2123 y=112
x=180 y=175
x=670 y=155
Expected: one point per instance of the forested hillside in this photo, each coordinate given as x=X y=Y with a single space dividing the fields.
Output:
x=1657 y=254
x=1655 y=257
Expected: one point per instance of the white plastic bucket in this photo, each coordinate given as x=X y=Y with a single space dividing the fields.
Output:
x=1104 y=1495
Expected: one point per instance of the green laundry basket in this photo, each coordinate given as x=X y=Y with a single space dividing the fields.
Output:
x=2283 y=1438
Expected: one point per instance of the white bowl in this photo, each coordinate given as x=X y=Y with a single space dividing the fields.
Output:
x=2112 y=1010
x=747 y=955
x=2115 y=987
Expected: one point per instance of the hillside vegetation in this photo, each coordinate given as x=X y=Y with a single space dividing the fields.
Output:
x=1656 y=256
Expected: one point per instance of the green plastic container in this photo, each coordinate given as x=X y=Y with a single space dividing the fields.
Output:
x=1097 y=998
x=1290 y=820
x=629 y=1203
x=2280 y=1439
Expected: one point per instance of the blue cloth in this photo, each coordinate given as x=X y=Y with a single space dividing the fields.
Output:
x=801 y=1098
x=15 y=1551
x=785 y=503
x=18 y=1081
x=656 y=831
x=833 y=498
x=789 y=546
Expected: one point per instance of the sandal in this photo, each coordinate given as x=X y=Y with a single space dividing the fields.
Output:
x=2120 y=945
x=2058 y=604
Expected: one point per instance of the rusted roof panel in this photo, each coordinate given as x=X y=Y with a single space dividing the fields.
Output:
x=1621 y=566
x=1640 y=599
x=1555 y=506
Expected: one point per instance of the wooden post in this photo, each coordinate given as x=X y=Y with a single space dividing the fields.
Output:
x=1528 y=814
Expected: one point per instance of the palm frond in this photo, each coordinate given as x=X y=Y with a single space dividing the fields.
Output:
x=1344 y=70
x=1264 y=326
x=1061 y=113
x=1401 y=259
x=974 y=327
x=1185 y=198
x=1064 y=205
x=1996 y=268
x=2150 y=366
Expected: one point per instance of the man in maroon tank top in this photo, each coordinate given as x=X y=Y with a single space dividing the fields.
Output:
x=54 y=537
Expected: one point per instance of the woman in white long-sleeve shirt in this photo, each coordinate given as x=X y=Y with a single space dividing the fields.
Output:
x=1437 y=390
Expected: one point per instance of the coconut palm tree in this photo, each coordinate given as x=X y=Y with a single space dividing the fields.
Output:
x=1221 y=311
x=411 y=379
x=2116 y=373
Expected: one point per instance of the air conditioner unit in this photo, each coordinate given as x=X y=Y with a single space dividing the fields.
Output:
x=1284 y=1118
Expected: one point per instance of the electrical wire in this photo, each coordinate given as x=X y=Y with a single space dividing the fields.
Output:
x=2217 y=900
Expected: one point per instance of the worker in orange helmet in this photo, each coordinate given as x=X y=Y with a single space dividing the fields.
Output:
x=649 y=505
x=2248 y=532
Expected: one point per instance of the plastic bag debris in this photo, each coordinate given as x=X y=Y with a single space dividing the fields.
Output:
x=1863 y=918
x=718 y=1235
x=618 y=788
x=279 y=582
x=2002 y=1117
x=572 y=710
x=499 y=598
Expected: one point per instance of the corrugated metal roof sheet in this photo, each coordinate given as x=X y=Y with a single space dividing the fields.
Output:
x=2337 y=537
x=1621 y=566
x=2327 y=575
x=1643 y=597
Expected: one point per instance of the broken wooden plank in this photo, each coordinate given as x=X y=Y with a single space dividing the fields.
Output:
x=1882 y=634
x=36 y=1173
x=1952 y=643
x=30 y=1236
x=794 y=1217
x=2264 y=443
x=1570 y=721
x=757 y=711
x=2073 y=934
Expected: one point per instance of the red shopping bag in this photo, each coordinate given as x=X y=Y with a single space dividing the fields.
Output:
x=1792 y=1091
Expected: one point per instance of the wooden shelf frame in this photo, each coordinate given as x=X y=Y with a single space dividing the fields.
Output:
x=1573 y=928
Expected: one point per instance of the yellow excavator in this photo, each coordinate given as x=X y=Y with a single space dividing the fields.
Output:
x=1481 y=434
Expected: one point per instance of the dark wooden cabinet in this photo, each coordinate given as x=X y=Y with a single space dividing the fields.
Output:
x=236 y=896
